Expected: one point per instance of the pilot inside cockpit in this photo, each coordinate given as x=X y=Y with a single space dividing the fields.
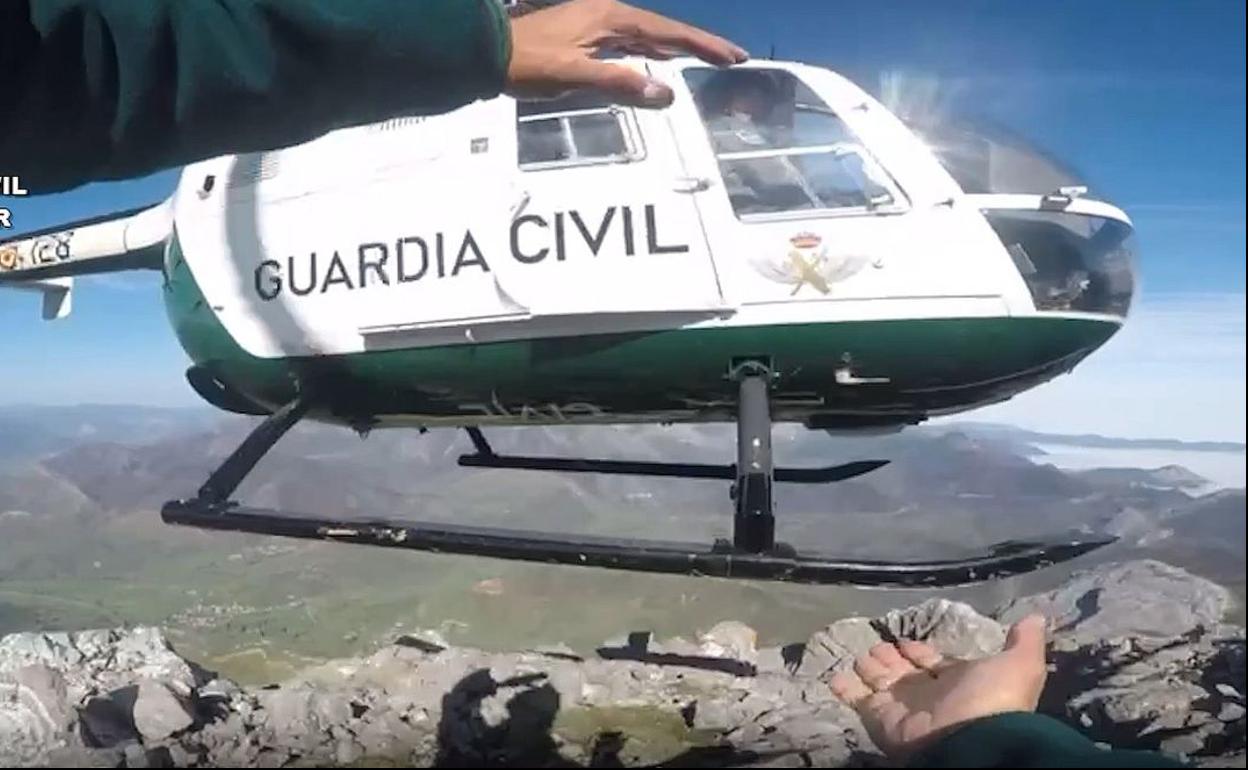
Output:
x=747 y=112
x=738 y=108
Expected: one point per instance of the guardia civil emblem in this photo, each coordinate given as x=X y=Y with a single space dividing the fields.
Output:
x=8 y=258
x=808 y=263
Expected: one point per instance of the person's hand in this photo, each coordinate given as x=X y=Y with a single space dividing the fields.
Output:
x=552 y=51
x=908 y=695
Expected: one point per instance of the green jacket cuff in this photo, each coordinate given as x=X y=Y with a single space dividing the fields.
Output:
x=1028 y=740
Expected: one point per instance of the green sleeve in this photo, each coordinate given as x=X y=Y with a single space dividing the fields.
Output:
x=1028 y=740
x=107 y=89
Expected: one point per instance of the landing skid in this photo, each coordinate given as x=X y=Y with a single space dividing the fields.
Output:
x=753 y=552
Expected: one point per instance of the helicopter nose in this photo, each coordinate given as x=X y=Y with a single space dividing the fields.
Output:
x=1071 y=261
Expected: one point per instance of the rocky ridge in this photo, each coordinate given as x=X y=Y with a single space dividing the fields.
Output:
x=1139 y=659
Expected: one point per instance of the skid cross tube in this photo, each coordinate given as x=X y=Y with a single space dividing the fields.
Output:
x=225 y=479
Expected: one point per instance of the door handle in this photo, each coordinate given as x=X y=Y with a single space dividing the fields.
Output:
x=691 y=184
x=846 y=376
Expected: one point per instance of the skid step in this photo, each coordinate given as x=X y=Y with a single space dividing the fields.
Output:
x=719 y=560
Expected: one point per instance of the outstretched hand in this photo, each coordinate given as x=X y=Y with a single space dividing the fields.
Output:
x=908 y=694
x=553 y=50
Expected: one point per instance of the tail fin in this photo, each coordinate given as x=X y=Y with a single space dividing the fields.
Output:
x=47 y=260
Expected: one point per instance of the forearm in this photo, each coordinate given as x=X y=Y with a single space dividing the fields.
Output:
x=105 y=89
x=1025 y=740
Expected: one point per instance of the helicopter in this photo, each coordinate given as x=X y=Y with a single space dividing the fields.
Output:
x=775 y=246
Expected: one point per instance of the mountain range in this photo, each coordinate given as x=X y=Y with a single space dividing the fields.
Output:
x=81 y=544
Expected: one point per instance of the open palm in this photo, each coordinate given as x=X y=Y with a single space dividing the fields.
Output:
x=909 y=694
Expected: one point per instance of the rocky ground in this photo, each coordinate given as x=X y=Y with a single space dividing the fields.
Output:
x=1139 y=659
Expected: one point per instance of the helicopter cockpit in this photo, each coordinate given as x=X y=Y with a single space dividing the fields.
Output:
x=781 y=149
x=1071 y=259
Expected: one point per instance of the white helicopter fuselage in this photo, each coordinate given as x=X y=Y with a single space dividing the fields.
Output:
x=584 y=262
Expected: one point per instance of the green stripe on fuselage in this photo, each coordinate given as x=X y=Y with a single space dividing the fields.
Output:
x=676 y=375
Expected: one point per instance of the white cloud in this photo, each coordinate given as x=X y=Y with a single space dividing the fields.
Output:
x=1176 y=370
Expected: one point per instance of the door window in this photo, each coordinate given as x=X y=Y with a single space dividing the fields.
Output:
x=781 y=149
x=575 y=131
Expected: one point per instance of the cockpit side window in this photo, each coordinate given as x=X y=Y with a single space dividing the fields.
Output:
x=782 y=149
x=575 y=131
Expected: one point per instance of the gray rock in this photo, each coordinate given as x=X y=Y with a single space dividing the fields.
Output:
x=558 y=651
x=35 y=715
x=99 y=661
x=180 y=757
x=222 y=689
x=299 y=719
x=1183 y=745
x=1138 y=598
x=954 y=628
x=159 y=712
x=105 y=724
x=408 y=703
x=771 y=660
x=347 y=752
x=1163 y=705
x=267 y=758
x=135 y=756
x=714 y=715
x=45 y=691
x=835 y=647
x=18 y=650
x=730 y=639
x=1235 y=759
x=147 y=654
x=747 y=735
x=78 y=756
x=1146 y=690
x=680 y=646
x=388 y=736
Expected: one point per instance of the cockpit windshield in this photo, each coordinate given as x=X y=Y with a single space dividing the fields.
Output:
x=984 y=159
x=781 y=148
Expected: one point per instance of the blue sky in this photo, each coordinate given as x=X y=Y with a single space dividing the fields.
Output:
x=1145 y=98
